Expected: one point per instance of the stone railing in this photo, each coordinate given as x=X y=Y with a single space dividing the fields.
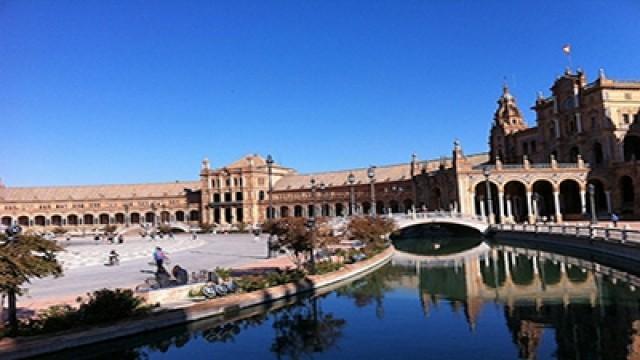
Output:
x=613 y=234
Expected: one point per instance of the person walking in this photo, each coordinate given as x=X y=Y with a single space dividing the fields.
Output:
x=159 y=257
x=615 y=219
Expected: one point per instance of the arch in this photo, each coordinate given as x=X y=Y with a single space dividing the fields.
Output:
x=7 y=220
x=570 y=203
x=284 y=211
x=598 y=154
x=194 y=215
x=339 y=209
x=150 y=217
x=481 y=198
x=119 y=218
x=165 y=217
x=380 y=207
x=408 y=204
x=394 y=206
x=326 y=210
x=516 y=200
x=135 y=218
x=23 y=220
x=56 y=220
x=179 y=216
x=577 y=275
x=72 y=219
x=239 y=215
x=631 y=147
x=550 y=272
x=543 y=199
x=88 y=219
x=366 y=208
x=311 y=210
x=522 y=271
x=297 y=211
x=39 y=220
x=493 y=271
x=627 y=193
x=103 y=219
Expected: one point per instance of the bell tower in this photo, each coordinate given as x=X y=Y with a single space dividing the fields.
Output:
x=506 y=121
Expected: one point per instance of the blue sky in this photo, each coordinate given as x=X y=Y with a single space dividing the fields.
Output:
x=136 y=91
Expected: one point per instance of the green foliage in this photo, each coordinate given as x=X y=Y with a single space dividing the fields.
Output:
x=102 y=307
x=250 y=283
x=197 y=292
x=26 y=257
x=223 y=273
x=257 y=282
x=164 y=228
x=372 y=230
x=325 y=267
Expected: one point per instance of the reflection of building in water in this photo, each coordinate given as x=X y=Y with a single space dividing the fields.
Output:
x=591 y=312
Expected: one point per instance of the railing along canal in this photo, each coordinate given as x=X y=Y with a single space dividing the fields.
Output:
x=614 y=234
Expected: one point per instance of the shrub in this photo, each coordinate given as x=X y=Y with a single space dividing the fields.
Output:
x=372 y=230
x=59 y=230
x=223 y=273
x=197 y=292
x=252 y=282
x=327 y=267
x=207 y=228
x=164 y=228
x=110 y=229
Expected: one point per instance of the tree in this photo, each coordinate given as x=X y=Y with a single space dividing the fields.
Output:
x=372 y=230
x=22 y=258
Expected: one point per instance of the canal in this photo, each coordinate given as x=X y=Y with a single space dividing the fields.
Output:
x=448 y=294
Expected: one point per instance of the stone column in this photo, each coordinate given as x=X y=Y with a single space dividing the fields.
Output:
x=510 y=209
x=531 y=211
x=608 y=196
x=583 y=201
x=482 y=212
x=556 y=204
x=501 y=206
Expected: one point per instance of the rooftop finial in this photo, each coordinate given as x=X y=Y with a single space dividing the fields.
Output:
x=601 y=73
x=205 y=164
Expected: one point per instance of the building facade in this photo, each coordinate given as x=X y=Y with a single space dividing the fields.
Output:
x=585 y=134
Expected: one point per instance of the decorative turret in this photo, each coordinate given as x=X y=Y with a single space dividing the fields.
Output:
x=506 y=121
x=205 y=164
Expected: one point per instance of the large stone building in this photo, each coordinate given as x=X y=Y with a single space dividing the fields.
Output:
x=586 y=133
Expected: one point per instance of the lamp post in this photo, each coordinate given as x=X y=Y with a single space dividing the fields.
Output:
x=270 y=170
x=322 y=187
x=312 y=223
x=486 y=172
x=352 y=197
x=592 y=197
x=127 y=221
x=414 y=181
x=371 y=173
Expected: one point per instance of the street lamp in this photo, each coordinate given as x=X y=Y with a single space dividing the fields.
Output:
x=352 y=199
x=270 y=169
x=486 y=172
x=371 y=173
x=414 y=180
x=322 y=188
x=592 y=196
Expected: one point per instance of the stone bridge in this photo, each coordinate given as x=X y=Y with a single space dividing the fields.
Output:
x=441 y=217
x=175 y=225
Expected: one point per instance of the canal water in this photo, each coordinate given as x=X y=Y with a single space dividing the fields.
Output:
x=446 y=295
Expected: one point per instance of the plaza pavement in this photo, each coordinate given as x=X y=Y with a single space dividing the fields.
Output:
x=82 y=276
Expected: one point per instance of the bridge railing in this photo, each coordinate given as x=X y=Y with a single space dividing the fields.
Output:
x=609 y=233
x=438 y=215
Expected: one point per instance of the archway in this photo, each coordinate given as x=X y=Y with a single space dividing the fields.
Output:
x=88 y=219
x=543 y=199
x=516 y=199
x=56 y=220
x=23 y=220
x=39 y=220
x=150 y=218
x=7 y=220
x=165 y=217
x=481 y=200
x=119 y=218
x=135 y=218
x=284 y=211
x=194 y=215
x=311 y=210
x=326 y=210
x=631 y=148
x=339 y=209
x=366 y=208
x=393 y=205
x=72 y=219
x=408 y=205
x=180 y=216
x=435 y=199
x=379 y=207
x=570 y=203
x=104 y=219
x=297 y=211
x=627 y=194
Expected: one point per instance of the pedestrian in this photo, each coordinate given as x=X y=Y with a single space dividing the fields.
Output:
x=120 y=239
x=615 y=219
x=114 y=258
x=159 y=257
x=194 y=235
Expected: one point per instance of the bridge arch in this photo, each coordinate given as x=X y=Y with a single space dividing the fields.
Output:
x=406 y=221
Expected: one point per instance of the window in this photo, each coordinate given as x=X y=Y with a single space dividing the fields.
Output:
x=239 y=196
x=625 y=118
x=261 y=195
x=227 y=197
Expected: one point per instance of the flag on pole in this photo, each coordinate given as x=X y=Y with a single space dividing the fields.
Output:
x=566 y=49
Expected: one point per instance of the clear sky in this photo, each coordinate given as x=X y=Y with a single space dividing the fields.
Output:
x=137 y=91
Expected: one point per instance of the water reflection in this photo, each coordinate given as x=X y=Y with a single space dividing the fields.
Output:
x=519 y=302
